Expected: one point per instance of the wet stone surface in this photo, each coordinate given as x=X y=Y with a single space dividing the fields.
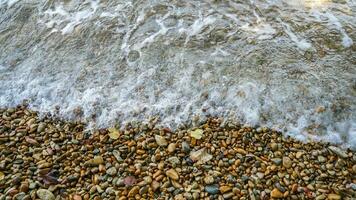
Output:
x=46 y=158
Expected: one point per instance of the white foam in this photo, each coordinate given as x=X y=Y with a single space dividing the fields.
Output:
x=179 y=61
x=301 y=43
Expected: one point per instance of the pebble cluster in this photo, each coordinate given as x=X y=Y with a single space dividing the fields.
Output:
x=47 y=159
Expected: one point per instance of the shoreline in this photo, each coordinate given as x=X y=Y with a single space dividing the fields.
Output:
x=48 y=158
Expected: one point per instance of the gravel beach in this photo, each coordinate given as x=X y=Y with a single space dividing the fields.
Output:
x=47 y=159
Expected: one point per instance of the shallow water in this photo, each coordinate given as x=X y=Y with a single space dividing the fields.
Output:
x=290 y=65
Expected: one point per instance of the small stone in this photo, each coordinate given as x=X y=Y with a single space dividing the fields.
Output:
x=77 y=197
x=171 y=173
x=44 y=165
x=321 y=197
x=334 y=197
x=171 y=147
x=274 y=146
x=341 y=153
x=354 y=169
x=117 y=156
x=155 y=185
x=135 y=190
x=174 y=160
x=44 y=194
x=96 y=161
x=143 y=190
x=147 y=179
x=321 y=159
x=24 y=187
x=287 y=162
x=277 y=161
x=41 y=127
x=185 y=147
x=111 y=171
x=275 y=193
x=225 y=188
x=298 y=154
x=31 y=141
x=209 y=180
x=160 y=140
x=228 y=195
x=212 y=189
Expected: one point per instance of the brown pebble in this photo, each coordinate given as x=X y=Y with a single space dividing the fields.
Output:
x=225 y=188
x=77 y=197
x=275 y=193
x=134 y=191
x=171 y=173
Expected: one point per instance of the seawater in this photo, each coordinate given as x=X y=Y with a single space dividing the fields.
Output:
x=288 y=65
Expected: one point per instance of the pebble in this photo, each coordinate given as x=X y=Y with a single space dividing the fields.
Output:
x=274 y=146
x=160 y=140
x=341 y=153
x=171 y=173
x=77 y=197
x=96 y=161
x=223 y=189
x=287 y=162
x=111 y=171
x=277 y=161
x=299 y=154
x=228 y=195
x=321 y=159
x=174 y=160
x=171 y=147
x=354 y=169
x=135 y=190
x=208 y=180
x=212 y=189
x=44 y=194
x=226 y=163
x=275 y=193
x=185 y=147
x=334 y=197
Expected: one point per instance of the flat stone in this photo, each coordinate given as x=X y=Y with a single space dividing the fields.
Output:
x=223 y=189
x=341 y=153
x=275 y=193
x=160 y=140
x=321 y=197
x=212 y=189
x=228 y=195
x=334 y=197
x=44 y=194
